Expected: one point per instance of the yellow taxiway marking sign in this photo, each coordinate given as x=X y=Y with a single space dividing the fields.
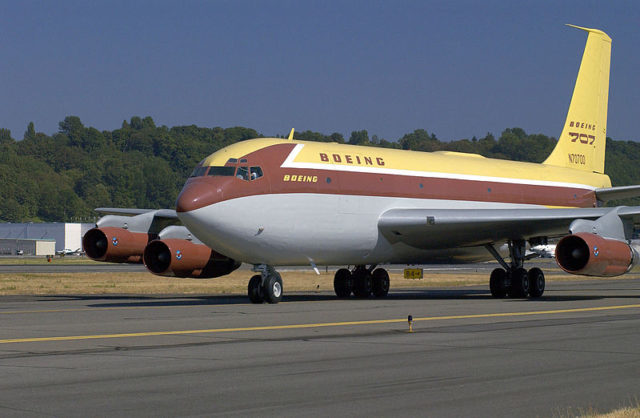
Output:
x=317 y=325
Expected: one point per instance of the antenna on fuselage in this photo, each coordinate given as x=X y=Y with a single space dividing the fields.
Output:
x=291 y=134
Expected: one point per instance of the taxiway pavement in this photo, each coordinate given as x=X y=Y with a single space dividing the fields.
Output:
x=576 y=348
x=133 y=268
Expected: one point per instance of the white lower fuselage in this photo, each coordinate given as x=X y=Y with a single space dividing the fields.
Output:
x=301 y=229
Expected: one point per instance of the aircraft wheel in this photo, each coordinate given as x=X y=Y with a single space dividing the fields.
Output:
x=536 y=282
x=343 y=283
x=497 y=283
x=255 y=290
x=519 y=283
x=272 y=289
x=362 y=284
x=380 y=283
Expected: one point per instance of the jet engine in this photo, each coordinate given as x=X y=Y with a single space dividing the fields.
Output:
x=183 y=258
x=592 y=255
x=113 y=244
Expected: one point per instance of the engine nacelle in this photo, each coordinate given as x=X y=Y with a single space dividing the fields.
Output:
x=592 y=255
x=182 y=258
x=116 y=245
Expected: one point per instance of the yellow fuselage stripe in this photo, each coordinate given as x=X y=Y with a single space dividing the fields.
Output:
x=317 y=325
x=413 y=162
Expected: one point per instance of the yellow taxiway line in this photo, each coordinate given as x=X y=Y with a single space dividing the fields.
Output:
x=316 y=325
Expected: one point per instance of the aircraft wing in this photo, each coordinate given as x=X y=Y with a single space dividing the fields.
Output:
x=448 y=228
x=161 y=213
x=138 y=220
x=622 y=192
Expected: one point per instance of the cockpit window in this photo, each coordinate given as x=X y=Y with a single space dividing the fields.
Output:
x=243 y=173
x=199 y=171
x=256 y=172
x=222 y=171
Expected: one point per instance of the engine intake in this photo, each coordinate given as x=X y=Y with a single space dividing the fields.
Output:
x=182 y=258
x=592 y=255
x=116 y=245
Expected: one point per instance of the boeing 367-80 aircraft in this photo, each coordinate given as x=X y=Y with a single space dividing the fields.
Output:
x=272 y=202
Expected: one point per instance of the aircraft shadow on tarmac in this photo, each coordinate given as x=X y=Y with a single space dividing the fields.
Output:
x=109 y=301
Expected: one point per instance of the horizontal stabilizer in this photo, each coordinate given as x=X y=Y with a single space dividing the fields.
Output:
x=614 y=193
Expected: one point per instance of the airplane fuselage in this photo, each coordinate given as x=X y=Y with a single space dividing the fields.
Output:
x=280 y=202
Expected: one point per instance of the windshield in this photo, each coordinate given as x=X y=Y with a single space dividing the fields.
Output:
x=222 y=171
x=198 y=171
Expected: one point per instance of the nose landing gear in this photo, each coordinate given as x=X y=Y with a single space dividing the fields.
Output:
x=265 y=287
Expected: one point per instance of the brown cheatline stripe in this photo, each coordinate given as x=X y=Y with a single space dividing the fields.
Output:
x=203 y=190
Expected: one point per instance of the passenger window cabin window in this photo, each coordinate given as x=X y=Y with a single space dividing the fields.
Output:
x=243 y=173
x=232 y=161
x=256 y=172
x=199 y=171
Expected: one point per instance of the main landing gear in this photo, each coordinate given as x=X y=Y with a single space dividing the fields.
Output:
x=362 y=282
x=513 y=279
x=266 y=286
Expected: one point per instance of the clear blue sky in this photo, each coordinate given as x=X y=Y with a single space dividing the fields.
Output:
x=454 y=68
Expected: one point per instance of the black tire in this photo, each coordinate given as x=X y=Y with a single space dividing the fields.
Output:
x=272 y=289
x=255 y=290
x=362 y=284
x=380 y=283
x=536 y=282
x=497 y=283
x=519 y=283
x=343 y=283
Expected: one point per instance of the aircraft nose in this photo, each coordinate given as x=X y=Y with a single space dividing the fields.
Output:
x=195 y=195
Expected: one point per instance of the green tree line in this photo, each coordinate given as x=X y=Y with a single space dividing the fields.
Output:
x=63 y=177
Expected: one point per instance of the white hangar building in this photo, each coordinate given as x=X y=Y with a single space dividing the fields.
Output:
x=66 y=235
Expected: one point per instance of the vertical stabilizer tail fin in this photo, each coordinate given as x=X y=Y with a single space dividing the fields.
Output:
x=582 y=142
